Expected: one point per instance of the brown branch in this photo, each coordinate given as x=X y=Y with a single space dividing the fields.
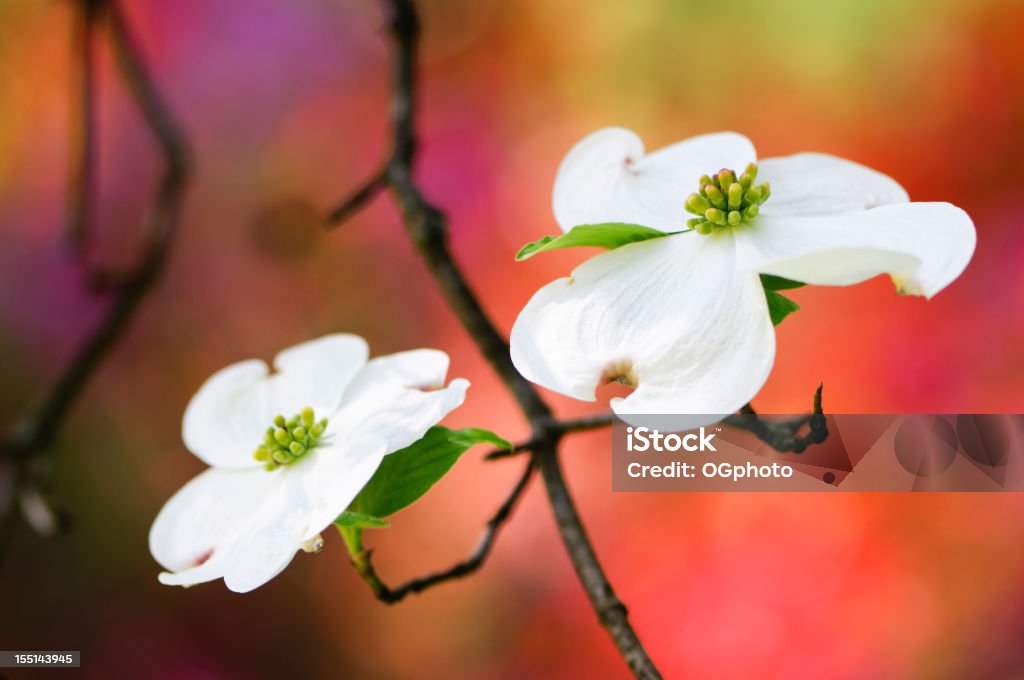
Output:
x=361 y=559
x=427 y=227
x=560 y=426
x=782 y=436
x=83 y=164
x=11 y=483
x=38 y=429
x=359 y=199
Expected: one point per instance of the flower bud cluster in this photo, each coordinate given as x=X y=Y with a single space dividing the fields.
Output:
x=289 y=439
x=725 y=200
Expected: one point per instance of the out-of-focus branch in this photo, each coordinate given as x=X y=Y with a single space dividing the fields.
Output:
x=83 y=165
x=361 y=557
x=38 y=429
x=427 y=227
x=359 y=198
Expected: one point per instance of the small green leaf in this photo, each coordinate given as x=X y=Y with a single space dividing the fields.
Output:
x=771 y=282
x=475 y=435
x=608 y=235
x=779 y=306
x=351 y=519
x=407 y=474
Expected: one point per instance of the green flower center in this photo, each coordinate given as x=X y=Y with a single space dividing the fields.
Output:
x=725 y=200
x=289 y=439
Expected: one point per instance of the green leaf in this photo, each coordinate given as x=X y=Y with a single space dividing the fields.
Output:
x=771 y=282
x=407 y=474
x=779 y=306
x=608 y=235
x=349 y=519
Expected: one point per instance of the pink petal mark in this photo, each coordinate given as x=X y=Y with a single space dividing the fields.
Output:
x=203 y=557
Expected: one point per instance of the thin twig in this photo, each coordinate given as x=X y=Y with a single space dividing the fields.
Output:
x=38 y=429
x=585 y=423
x=782 y=436
x=561 y=426
x=10 y=484
x=427 y=227
x=364 y=565
x=359 y=199
x=83 y=164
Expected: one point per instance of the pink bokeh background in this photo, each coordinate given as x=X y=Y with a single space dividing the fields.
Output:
x=284 y=105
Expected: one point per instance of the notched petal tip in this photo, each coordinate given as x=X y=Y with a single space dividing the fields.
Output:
x=314 y=545
x=619 y=371
x=910 y=288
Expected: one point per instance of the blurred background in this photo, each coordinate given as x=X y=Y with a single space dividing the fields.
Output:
x=285 y=105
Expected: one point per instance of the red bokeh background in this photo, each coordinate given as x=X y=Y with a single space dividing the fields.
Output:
x=285 y=105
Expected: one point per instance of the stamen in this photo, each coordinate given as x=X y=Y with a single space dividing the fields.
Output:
x=725 y=200
x=290 y=439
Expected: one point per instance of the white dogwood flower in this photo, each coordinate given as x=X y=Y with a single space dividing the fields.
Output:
x=289 y=451
x=683 y=318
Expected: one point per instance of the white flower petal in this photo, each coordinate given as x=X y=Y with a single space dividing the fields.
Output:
x=672 y=315
x=311 y=494
x=400 y=396
x=923 y=246
x=318 y=371
x=337 y=471
x=211 y=570
x=247 y=525
x=273 y=534
x=607 y=178
x=266 y=550
x=226 y=419
x=422 y=369
x=195 y=531
x=820 y=184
